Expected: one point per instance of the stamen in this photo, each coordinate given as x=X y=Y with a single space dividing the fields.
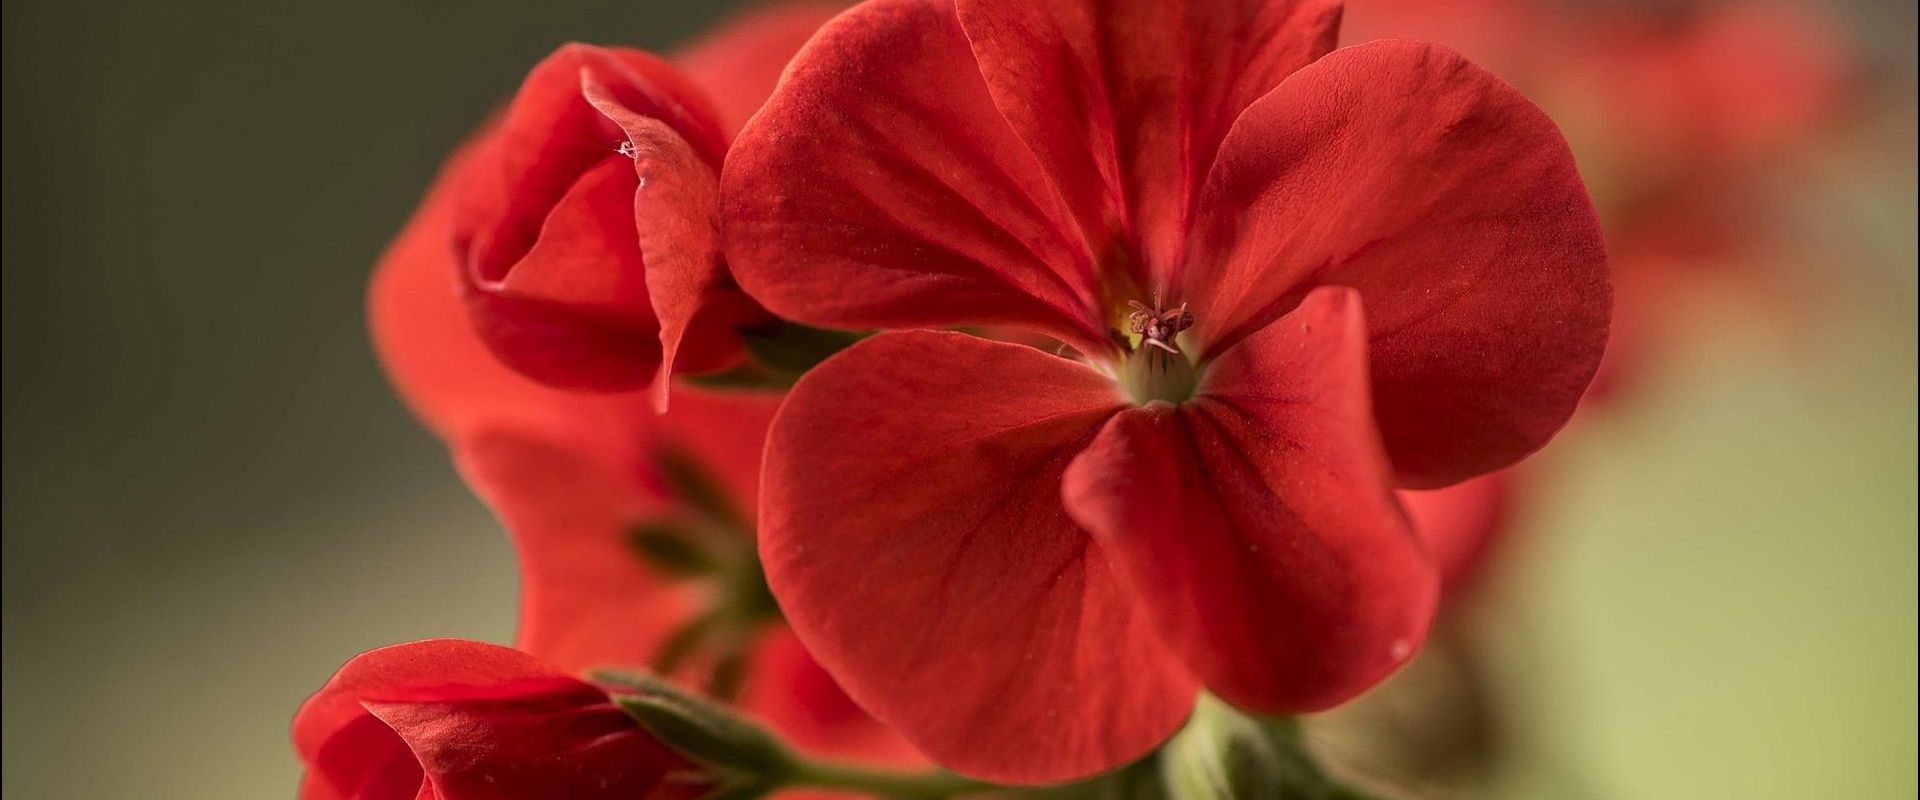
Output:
x=1157 y=370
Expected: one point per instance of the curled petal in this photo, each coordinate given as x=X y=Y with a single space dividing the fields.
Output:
x=912 y=530
x=1125 y=102
x=675 y=220
x=1256 y=524
x=460 y=720
x=881 y=188
x=1462 y=524
x=1460 y=219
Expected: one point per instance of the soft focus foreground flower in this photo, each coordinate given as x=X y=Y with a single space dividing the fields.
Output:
x=596 y=489
x=446 y=719
x=1295 y=280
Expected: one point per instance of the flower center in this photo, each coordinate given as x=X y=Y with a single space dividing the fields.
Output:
x=1157 y=369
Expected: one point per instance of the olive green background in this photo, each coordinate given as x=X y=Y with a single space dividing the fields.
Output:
x=212 y=500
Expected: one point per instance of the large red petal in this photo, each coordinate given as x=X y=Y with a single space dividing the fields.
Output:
x=738 y=61
x=430 y=351
x=1461 y=220
x=881 y=188
x=1125 y=102
x=471 y=721
x=911 y=527
x=1256 y=524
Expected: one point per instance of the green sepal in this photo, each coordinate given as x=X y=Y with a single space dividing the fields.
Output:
x=709 y=735
x=668 y=546
x=1223 y=754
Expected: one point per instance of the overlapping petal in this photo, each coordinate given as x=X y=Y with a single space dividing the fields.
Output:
x=1254 y=524
x=1126 y=102
x=880 y=187
x=911 y=526
x=447 y=719
x=1460 y=219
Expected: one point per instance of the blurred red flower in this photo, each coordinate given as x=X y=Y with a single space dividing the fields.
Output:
x=446 y=719
x=1330 y=291
x=1681 y=113
x=581 y=480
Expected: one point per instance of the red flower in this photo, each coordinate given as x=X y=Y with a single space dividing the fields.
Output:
x=1295 y=280
x=446 y=719
x=586 y=235
x=573 y=475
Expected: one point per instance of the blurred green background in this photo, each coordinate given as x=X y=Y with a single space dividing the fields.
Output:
x=212 y=499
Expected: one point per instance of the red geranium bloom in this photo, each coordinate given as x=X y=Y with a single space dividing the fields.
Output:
x=575 y=475
x=446 y=719
x=585 y=233
x=1295 y=281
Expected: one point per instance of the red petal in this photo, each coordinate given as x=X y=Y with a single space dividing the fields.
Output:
x=881 y=188
x=1460 y=524
x=1461 y=220
x=477 y=722
x=587 y=600
x=1256 y=524
x=1126 y=102
x=911 y=526
x=675 y=216
x=547 y=227
x=427 y=344
x=738 y=62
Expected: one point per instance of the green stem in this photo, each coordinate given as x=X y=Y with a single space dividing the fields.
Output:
x=881 y=783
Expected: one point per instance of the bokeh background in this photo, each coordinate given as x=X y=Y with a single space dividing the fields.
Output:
x=212 y=500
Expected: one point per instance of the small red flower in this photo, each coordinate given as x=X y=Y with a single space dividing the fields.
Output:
x=446 y=719
x=1296 y=280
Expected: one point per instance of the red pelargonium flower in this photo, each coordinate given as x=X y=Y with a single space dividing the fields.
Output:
x=446 y=719
x=586 y=235
x=1296 y=280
